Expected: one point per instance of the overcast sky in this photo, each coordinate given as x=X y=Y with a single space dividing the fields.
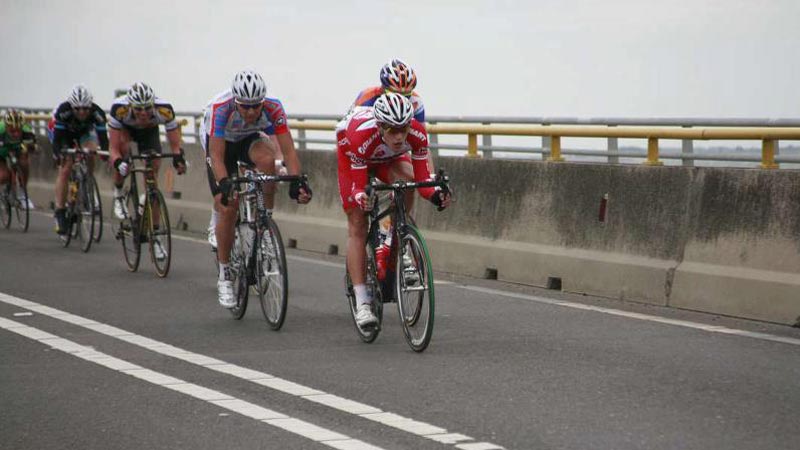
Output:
x=635 y=58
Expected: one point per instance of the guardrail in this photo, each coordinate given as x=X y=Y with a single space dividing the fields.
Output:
x=552 y=129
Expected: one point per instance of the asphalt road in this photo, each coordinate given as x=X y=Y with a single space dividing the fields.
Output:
x=129 y=361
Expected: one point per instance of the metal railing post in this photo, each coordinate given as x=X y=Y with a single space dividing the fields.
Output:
x=768 y=154
x=555 y=149
x=472 y=146
x=487 y=142
x=612 y=145
x=652 y=152
x=687 y=148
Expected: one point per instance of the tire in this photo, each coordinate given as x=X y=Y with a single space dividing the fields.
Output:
x=97 y=210
x=128 y=231
x=5 y=207
x=414 y=289
x=21 y=208
x=84 y=216
x=272 y=280
x=367 y=335
x=161 y=236
x=239 y=262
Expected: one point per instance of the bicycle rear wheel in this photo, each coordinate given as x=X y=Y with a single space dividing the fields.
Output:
x=97 y=209
x=414 y=288
x=21 y=205
x=369 y=334
x=129 y=231
x=239 y=263
x=5 y=206
x=159 y=236
x=85 y=215
x=272 y=282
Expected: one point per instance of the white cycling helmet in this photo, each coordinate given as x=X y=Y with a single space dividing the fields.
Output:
x=141 y=95
x=248 y=87
x=80 y=97
x=393 y=109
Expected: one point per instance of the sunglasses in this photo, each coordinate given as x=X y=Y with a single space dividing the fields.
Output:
x=249 y=106
x=403 y=129
x=81 y=108
x=141 y=108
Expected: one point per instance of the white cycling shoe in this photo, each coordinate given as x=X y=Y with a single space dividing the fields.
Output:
x=225 y=289
x=120 y=210
x=364 y=316
x=159 y=251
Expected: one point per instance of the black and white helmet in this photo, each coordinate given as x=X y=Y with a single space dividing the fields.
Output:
x=141 y=95
x=80 y=97
x=393 y=109
x=248 y=87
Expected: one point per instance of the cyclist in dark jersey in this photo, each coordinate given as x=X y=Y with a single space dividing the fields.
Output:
x=79 y=120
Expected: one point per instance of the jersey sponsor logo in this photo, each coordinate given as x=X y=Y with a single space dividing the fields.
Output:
x=121 y=113
x=343 y=142
x=166 y=113
x=363 y=147
x=418 y=134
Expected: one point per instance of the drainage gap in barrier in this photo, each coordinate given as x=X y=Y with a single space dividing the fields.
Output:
x=292 y=243
x=490 y=273
x=554 y=283
x=333 y=249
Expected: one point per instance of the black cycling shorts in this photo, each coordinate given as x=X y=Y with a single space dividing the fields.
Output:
x=145 y=138
x=234 y=152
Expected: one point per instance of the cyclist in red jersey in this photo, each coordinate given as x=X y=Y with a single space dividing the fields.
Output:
x=380 y=139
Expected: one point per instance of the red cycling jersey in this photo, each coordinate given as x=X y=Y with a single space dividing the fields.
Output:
x=361 y=147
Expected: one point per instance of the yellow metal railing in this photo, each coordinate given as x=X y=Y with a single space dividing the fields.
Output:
x=767 y=135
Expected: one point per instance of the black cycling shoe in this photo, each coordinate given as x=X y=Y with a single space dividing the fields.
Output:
x=61 y=221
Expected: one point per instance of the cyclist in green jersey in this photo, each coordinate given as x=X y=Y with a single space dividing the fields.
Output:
x=14 y=134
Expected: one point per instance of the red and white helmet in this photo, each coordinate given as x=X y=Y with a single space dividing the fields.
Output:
x=394 y=110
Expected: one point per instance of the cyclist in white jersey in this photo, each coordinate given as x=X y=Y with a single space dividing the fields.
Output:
x=237 y=126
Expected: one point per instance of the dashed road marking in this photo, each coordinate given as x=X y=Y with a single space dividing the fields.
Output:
x=276 y=419
x=408 y=425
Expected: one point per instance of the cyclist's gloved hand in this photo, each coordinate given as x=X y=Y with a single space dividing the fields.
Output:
x=121 y=166
x=179 y=163
x=363 y=201
x=300 y=190
x=225 y=187
x=441 y=199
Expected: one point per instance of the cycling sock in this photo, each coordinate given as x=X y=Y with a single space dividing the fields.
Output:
x=361 y=294
x=117 y=191
x=224 y=272
x=212 y=223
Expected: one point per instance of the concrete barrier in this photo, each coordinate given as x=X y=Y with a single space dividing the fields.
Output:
x=718 y=240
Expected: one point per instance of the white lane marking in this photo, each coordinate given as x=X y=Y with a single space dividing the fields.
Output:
x=637 y=316
x=549 y=301
x=23 y=314
x=479 y=446
x=368 y=412
x=267 y=416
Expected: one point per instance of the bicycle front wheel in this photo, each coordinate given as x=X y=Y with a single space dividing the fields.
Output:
x=85 y=214
x=272 y=282
x=5 y=207
x=21 y=206
x=97 y=209
x=414 y=288
x=239 y=263
x=159 y=234
x=129 y=231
